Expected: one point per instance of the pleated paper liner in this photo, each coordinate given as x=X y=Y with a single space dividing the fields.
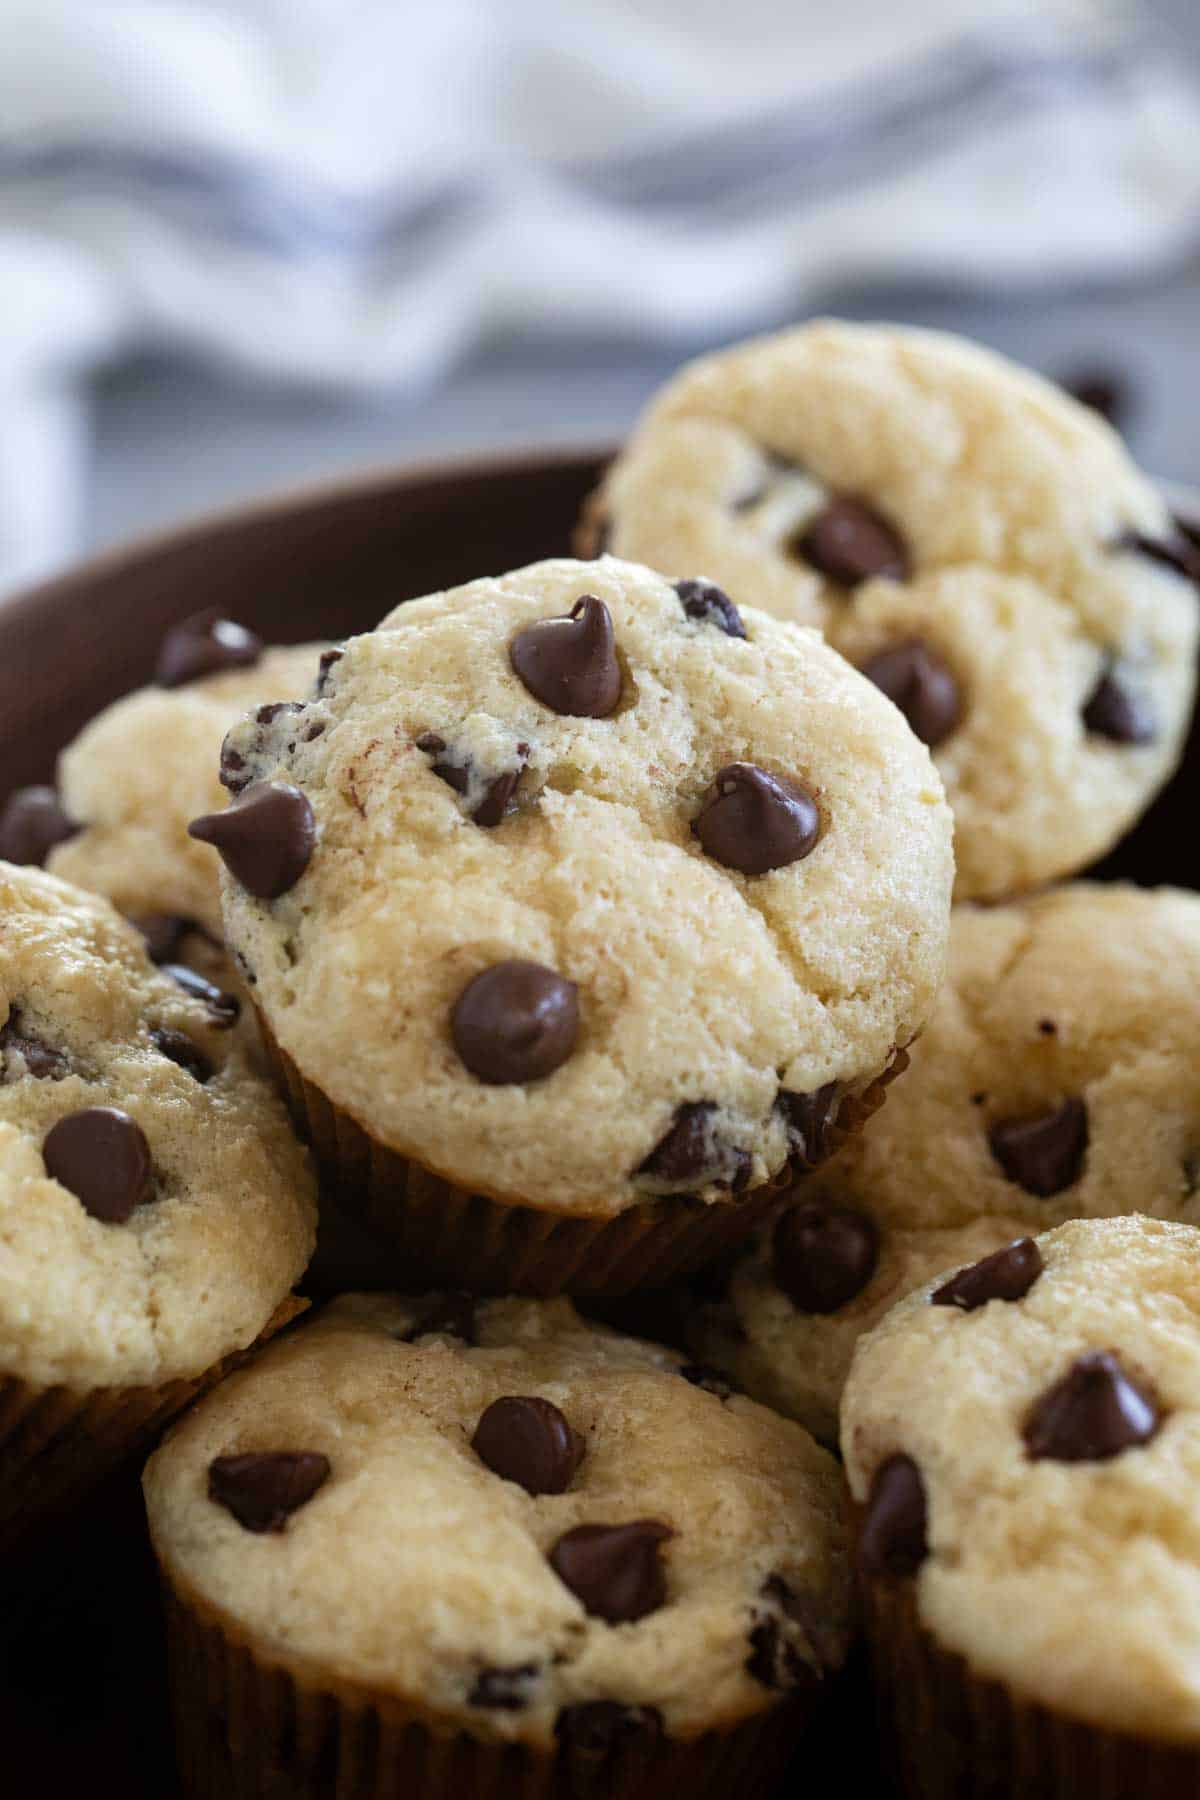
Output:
x=448 y=1236
x=56 y=1443
x=950 y=1735
x=251 y=1729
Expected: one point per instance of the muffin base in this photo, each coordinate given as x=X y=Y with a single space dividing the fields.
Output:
x=58 y=1442
x=441 y=1234
x=951 y=1735
x=249 y=1729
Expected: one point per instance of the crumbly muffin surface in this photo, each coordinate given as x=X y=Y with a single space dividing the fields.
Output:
x=700 y=991
x=455 y=1603
x=190 y=1216
x=1056 y=1440
x=979 y=540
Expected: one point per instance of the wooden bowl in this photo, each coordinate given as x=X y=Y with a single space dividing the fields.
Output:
x=81 y=1668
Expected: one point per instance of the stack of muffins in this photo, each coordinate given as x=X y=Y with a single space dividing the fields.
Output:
x=580 y=920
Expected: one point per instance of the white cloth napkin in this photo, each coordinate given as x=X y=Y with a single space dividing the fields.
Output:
x=356 y=192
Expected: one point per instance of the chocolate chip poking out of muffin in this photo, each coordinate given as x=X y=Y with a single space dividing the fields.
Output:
x=205 y=644
x=570 y=664
x=614 y=1570
x=824 y=1255
x=752 y=821
x=850 y=541
x=515 y=1022
x=1043 y=1153
x=1094 y=1412
x=102 y=1156
x=893 y=1538
x=263 y=1488
x=1006 y=1274
x=526 y=1439
x=32 y=823
x=265 y=837
x=917 y=680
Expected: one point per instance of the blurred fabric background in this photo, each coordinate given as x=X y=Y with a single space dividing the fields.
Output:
x=250 y=242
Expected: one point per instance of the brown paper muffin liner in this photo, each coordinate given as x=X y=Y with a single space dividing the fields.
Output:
x=951 y=1735
x=441 y=1234
x=58 y=1442
x=251 y=1729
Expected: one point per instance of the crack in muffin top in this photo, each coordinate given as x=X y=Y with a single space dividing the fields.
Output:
x=727 y=856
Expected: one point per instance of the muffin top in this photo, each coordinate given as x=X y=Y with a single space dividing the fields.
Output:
x=576 y=873
x=507 y=1497
x=974 y=539
x=1059 y=1077
x=155 y=1207
x=143 y=768
x=1033 y=1460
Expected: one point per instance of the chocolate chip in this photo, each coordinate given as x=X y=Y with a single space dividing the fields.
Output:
x=1043 y=1154
x=265 y=837
x=165 y=933
x=1177 y=553
x=1106 y=391
x=263 y=1488
x=492 y=807
x=570 y=663
x=915 y=679
x=775 y=1658
x=711 y=1380
x=849 y=541
x=810 y=1121
x=224 y=1008
x=711 y=605
x=598 y=1738
x=752 y=821
x=43 y=1061
x=102 y=1156
x=526 y=1439
x=504 y=1690
x=1093 y=1413
x=1047 y=1028
x=892 y=1540
x=178 y=1048
x=517 y=1021
x=204 y=645
x=614 y=1570
x=1006 y=1274
x=234 y=772
x=325 y=663
x=693 y=1153
x=31 y=824
x=824 y=1255
x=451 y=1315
x=1112 y=710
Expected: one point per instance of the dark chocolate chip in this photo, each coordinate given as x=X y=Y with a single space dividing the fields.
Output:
x=204 y=645
x=266 y=715
x=224 y=1008
x=43 y=1061
x=504 y=1690
x=776 y=1658
x=526 y=1439
x=849 y=542
x=517 y=1021
x=598 y=1738
x=915 y=679
x=1177 y=553
x=165 y=934
x=263 y=1488
x=102 y=1156
x=451 y=1315
x=1093 y=1413
x=711 y=1380
x=1047 y=1028
x=1043 y=1154
x=1105 y=390
x=494 y=804
x=892 y=1540
x=752 y=821
x=1006 y=1274
x=692 y=1153
x=570 y=663
x=1113 y=710
x=32 y=823
x=234 y=772
x=810 y=1119
x=265 y=837
x=614 y=1570
x=325 y=663
x=178 y=1048
x=824 y=1255
x=711 y=605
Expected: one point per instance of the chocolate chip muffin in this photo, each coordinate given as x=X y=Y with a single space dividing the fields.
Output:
x=140 y=771
x=1059 y=1077
x=582 y=908
x=1023 y=1443
x=449 y=1547
x=155 y=1207
x=976 y=541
